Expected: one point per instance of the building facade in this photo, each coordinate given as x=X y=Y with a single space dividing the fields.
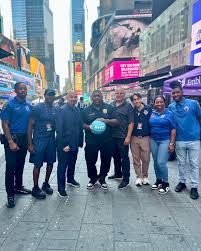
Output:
x=6 y=26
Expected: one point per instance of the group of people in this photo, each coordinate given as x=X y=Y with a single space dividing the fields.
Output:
x=49 y=133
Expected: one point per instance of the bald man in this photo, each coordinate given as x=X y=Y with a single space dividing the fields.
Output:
x=69 y=138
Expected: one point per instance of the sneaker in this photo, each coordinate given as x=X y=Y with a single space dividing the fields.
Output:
x=38 y=193
x=91 y=184
x=62 y=194
x=22 y=190
x=194 y=193
x=73 y=183
x=138 y=182
x=180 y=187
x=115 y=177
x=157 y=184
x=47 y=188
x=103 y=184
x=145 y=181
x=165 y=188
x=123 y=185
x=11 y=201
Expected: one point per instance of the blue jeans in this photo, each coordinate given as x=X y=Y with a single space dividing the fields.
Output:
x=192 y=150
x=160 y=155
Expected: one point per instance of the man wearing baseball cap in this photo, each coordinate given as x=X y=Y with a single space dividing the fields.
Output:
x=42 y=146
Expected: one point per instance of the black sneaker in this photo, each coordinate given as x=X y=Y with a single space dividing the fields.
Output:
x=73 y=183
x=115 y=177
x=194 y=193
x=38 y=193
x=180 y=187
x=22 y=190
x=103 y=184
x=62 y=194
x=123 y=184
x=11 y=201
x=91 y=184
x=157 y=184
x=47 y=188
x=164 y=188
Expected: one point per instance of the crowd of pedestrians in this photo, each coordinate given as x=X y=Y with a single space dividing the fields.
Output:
x=51 y=133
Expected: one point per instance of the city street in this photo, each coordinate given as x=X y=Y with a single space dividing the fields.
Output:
x=132 y=219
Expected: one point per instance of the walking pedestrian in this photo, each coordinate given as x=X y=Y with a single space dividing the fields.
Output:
x=42 y=146
x=69 y=138
x=140 y=140
x=122 y=137
x=15 y=118
x=102 y=143
x=162 y=131
x=188 y=119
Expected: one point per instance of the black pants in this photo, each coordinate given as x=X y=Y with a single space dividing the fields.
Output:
x=121 y=159
x=15 y=163
x=91 y=156
x=66 y=167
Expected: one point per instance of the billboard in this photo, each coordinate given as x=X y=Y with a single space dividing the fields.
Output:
x=196 y=34
x=23 y=57
x=9 y=46
x=8 y=78
x=78 y=77
x=122 y=70
x=78 y=47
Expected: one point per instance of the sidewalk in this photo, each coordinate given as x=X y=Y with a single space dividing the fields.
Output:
x=132 y=219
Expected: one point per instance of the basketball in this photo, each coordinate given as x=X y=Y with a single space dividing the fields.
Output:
x=98 y=127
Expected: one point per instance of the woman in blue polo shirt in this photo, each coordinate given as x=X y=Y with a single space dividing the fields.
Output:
x=162 y=130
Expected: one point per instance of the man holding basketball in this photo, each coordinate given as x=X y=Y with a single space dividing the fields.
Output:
x=98 y=138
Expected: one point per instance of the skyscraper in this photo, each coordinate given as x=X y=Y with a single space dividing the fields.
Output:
x=6 y=26
x=33 y=27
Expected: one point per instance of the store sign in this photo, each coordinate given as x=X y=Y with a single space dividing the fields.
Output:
x=78 y=78
x=122 y=70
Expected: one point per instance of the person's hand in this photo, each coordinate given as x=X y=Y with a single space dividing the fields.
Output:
x=31 y=148
x=171 y=148
x=127 y=141
x=13 y=146
x=66 y=149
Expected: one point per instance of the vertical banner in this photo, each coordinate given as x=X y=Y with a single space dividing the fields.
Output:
x=78 y=77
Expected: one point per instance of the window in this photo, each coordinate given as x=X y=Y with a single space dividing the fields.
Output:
x=78 y=27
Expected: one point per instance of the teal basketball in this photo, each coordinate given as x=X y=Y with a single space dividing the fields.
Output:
x=98 y=127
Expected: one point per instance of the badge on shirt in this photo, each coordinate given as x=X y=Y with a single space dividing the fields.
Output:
x=139 y=126
x=163 y=116
x=49 y=127
x=145 y=112
x=105 y=111
x=27 y=108
x=186 y=108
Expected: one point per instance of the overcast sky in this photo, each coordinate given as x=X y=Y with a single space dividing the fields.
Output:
x=61 y=10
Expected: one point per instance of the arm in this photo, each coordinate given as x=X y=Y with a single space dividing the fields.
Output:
x=13 y=146
x=129 y=133
x=172 y=140
x=29 y=135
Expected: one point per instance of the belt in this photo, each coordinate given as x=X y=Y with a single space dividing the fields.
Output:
x=142 y=136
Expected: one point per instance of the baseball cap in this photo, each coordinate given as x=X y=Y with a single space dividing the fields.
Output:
x=50 y=92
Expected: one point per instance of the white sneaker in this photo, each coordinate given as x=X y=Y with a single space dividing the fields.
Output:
x=145 y=181
x=138 y=182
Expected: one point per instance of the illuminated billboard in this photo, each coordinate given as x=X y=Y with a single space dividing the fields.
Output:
x=78 y=77
x=78 y=47
x=8 y=78
x=9 y=46
x=23 y=57
x=122 y=70
x=196 y=34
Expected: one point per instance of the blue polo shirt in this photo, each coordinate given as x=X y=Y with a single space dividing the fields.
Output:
x=187 y=115
x=17 y=114
x=161 y=125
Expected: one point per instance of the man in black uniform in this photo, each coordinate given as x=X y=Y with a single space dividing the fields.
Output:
x=15 y=118
x=102 y=142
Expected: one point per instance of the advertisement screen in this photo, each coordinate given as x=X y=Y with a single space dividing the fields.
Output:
x=38 y=68
x=9 y=46
x=78 y=77
x=8 y=78
x=196 y=34
x=23 y=55
x=122 y=70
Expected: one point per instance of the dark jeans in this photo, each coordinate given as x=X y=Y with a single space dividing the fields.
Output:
x=121 y=159
x=15 y=163
x=66 y=166
x=91 y=156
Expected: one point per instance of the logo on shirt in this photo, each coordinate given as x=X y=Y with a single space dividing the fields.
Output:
x=105 y=111
x=145 y=112
x=27 y=108
x=163 y=116
x=186 y=108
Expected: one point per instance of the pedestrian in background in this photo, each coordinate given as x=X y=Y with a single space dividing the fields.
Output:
x=162 y=132
x=15 y=117
x=140 y=141
x=102 y=143
x=188 y=119
x=122 y=137
x=42 y=146
x=69 y=138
